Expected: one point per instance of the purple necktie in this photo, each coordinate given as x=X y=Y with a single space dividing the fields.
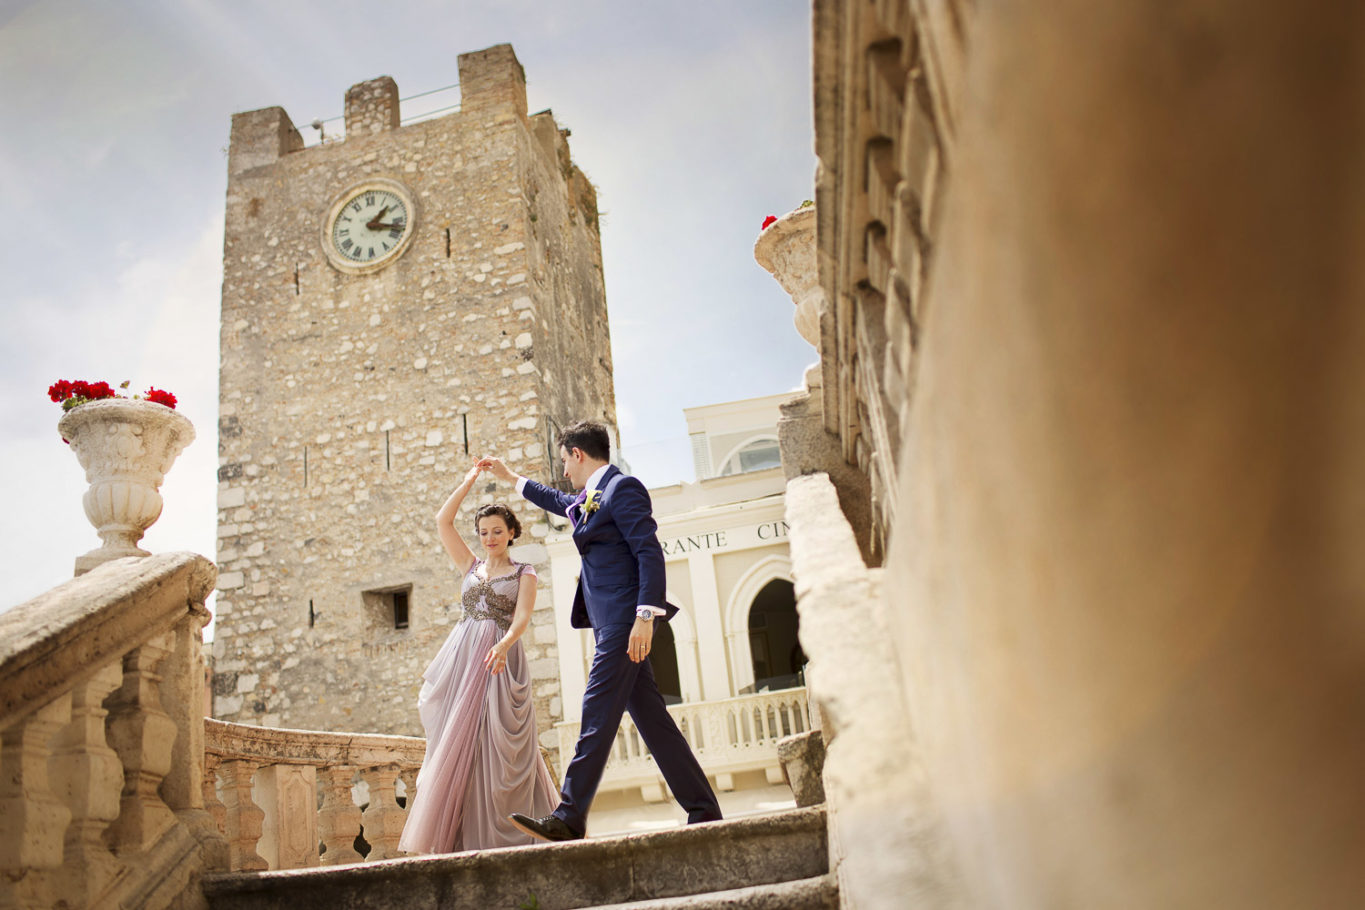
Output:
x=576 y=508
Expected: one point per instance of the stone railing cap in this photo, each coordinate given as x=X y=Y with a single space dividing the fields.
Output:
x=272 y=745
x=50 y=643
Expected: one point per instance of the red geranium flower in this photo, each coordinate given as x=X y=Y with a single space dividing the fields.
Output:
x=74 y=394
x=767 y=221
x=161 y=396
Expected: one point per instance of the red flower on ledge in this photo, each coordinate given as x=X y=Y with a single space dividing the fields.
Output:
x=71 y=394
x=161 y=397
x=767 y=221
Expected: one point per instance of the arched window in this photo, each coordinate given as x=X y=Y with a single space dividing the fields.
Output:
x=663 y=658
x=779 y=662
x=755 y=455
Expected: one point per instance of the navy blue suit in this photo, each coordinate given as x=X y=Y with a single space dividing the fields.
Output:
x=623 y=567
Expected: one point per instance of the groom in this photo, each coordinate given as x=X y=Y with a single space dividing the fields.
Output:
x=620 y=592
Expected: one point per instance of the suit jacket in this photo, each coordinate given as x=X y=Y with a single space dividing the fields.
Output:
x=623 y=564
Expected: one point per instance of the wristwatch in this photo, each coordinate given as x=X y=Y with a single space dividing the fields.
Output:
x=644 y=613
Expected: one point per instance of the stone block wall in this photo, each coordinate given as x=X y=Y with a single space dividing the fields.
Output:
x=352 y=404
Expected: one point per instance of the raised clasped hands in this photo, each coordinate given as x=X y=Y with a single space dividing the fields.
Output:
x=474 y=472
x=495 y=467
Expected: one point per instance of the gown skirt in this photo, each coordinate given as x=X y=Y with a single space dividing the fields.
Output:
x=483 y=760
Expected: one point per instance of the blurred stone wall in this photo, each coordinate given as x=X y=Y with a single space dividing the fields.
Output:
x=1093 y=339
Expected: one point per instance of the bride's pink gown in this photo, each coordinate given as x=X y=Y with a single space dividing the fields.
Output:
x=483 y=758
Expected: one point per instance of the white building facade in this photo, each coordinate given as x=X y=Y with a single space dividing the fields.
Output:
x=729 y=663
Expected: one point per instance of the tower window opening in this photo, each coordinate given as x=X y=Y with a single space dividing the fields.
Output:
x=388 y=608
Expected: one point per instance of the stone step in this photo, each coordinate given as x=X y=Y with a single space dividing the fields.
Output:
x=598 y=872
x=819 y=893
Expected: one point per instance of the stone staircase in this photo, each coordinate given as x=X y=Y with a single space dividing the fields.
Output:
x=770 y=862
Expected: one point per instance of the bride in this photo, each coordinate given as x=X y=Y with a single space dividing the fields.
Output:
x=483 y=759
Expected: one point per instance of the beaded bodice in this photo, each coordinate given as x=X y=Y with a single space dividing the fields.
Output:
x=495 y=598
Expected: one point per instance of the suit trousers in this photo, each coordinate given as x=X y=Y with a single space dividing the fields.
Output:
x=617 y=684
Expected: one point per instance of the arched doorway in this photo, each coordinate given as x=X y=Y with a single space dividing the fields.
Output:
x=663 y=658
x=778 y=660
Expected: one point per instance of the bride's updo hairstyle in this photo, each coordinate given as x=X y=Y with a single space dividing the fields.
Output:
x=500 y=510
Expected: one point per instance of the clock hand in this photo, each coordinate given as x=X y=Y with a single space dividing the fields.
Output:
x=374 y=222
x=378 y=226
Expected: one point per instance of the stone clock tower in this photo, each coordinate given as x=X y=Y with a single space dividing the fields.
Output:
x=394 y=304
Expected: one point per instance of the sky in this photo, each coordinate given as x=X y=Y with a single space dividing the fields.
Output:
x=692 y=118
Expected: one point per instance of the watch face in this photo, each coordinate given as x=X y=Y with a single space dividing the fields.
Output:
x=370 y=226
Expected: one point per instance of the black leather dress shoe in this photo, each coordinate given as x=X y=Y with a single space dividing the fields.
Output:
x=551 y=827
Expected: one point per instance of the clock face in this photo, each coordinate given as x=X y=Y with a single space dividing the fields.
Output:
x=370 y=226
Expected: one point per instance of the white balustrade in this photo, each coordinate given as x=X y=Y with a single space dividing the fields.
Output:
x=728 y=736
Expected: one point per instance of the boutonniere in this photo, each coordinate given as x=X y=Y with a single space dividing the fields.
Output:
x=593 y=502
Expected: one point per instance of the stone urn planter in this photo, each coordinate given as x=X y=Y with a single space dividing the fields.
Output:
x=786 y=248
x=126 y=446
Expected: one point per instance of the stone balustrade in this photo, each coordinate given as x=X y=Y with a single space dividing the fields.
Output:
x=286 y=799
x=728 y=736
x=101 y=739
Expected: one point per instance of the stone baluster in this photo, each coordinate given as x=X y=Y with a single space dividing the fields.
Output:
x=212 y=803
x=143 y=735
x=244 y=818
x=339 y=817
x=33 y=819
x=696 y=737
x=384 y=818
x=88 y=776
x=409 y=778
x=721 y=732
x=182 y=691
